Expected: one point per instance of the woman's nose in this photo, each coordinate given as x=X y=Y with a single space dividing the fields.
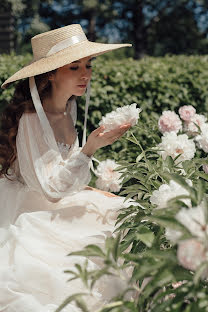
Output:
x=86 y=74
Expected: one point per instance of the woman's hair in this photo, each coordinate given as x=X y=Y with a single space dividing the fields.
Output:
x=20 y=103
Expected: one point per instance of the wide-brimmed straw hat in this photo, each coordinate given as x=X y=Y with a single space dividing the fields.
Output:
x=58 y=47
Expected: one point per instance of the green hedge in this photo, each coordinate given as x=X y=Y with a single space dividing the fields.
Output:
x=9 y=64
x=156 y=84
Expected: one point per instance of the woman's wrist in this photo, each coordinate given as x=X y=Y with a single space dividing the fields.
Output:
x=88 y=150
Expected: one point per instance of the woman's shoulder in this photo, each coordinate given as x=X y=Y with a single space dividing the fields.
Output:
x=29 y=116
x=30 y=119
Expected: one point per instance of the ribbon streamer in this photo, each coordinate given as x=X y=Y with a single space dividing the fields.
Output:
x=48 y=132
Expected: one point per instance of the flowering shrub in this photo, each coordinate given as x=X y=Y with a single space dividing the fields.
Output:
x=192 y=123
x=162 y=241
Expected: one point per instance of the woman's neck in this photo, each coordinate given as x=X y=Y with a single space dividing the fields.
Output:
x=55 y=103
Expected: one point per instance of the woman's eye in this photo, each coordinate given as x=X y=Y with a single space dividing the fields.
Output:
x=74 y=68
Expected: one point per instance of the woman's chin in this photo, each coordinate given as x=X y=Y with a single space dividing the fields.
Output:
x=80 y=92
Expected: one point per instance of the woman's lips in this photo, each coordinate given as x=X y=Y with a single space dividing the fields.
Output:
x=82 y=86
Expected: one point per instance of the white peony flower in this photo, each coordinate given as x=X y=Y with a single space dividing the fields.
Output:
x=172 y=235
x=194 y=220
x=169 y=121
x=108 y=179
x=173 y=145
x=166 y=192
x=190 y=126
x=202 y=139
x=191 y=253
x=122 y=115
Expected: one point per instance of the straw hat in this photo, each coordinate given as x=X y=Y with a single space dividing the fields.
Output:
x=59 y=47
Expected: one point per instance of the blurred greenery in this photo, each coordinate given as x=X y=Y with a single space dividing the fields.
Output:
x=9 y=64
x=154 y=27
x=154 y=83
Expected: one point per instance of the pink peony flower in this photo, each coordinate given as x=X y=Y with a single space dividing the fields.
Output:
x=191 y=253
x=191 y=125
x=186 y=112
x=169 y=121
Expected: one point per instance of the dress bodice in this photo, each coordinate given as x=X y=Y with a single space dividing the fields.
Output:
x=65 y=148
x=54 y=169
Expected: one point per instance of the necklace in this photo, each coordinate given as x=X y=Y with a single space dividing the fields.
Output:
x=64 y=113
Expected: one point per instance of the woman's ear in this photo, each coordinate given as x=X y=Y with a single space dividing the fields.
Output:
x=51 y=77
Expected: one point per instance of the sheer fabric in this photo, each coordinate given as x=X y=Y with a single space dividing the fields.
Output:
x=46 y=213
x=44 y=169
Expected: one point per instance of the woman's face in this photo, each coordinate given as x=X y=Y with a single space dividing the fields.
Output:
x=72 y=78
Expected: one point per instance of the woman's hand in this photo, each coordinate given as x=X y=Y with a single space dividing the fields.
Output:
x=98 y=138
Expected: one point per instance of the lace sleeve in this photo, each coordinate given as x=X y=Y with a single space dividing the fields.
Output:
x=43 y=169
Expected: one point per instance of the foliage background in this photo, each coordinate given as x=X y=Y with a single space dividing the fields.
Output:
x=154 y=27
x=154 y=83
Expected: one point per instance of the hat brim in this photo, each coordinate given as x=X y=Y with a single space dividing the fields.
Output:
x=63 y=57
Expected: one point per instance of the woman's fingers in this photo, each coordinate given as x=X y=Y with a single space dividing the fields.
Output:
x=98 y=138
x=99 y=130
x=116 y=133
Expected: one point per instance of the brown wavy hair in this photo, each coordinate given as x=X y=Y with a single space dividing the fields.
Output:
x=20 y=103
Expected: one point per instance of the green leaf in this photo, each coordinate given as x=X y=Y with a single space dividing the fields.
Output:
x=161 y=279
x=145 y=235
x=72 y=298
x=89 y=251
x=115 y=249
x=167 y=221
x=140 y=156
x=200 y=189
x=110 y=306
x=199 y=272
x=203 y=175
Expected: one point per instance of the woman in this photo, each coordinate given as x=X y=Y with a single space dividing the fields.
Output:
x=47 y=209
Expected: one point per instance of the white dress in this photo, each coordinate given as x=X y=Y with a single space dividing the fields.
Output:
x=45 y=213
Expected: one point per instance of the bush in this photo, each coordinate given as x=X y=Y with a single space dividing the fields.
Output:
x=156 y=84
x=9 y=64
x=163 y=240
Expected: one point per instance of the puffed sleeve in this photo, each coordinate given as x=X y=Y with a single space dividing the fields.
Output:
x=43 y=168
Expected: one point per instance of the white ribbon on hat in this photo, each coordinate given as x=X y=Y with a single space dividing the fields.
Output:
x=66 y=43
